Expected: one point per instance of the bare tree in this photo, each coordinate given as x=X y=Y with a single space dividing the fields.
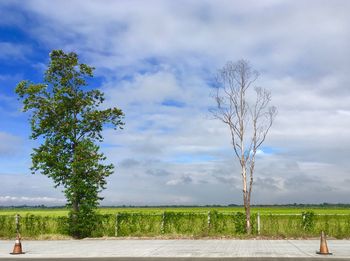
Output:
x=249 y=120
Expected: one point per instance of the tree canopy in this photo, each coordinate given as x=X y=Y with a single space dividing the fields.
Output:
x=65 y=114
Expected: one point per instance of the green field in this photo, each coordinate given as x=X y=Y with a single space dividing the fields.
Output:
x=262 y=210
x=193 y=222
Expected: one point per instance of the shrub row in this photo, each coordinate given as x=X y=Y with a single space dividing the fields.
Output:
x=185 y=224
x=305 y=225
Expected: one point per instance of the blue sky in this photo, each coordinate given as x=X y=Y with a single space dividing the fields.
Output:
x=157 y=61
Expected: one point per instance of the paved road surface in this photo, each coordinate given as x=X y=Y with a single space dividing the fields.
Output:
x=176 y=249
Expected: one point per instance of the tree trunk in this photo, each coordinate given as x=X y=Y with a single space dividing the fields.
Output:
x=75 y=202
x=247 y=219
x=246 y=200
x=74 y=218
x=75 y=206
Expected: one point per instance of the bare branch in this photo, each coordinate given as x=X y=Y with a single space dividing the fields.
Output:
x=249 y=123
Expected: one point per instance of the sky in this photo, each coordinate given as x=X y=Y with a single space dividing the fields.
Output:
x=157 y=61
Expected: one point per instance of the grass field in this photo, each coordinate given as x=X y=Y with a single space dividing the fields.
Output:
x=262 y=210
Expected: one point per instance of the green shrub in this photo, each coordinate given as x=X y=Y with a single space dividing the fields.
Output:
x=177 y=224
x=7 y=226
x=221 y=224
x=189 y=224
x=308 y=220
x=240 y=223
x=138 y=224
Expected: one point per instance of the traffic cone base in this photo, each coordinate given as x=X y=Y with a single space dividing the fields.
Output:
x=17 y=250
x=323 y=246
x=319 y=253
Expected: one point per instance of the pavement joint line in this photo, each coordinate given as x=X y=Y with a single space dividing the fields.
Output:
x=304 y=252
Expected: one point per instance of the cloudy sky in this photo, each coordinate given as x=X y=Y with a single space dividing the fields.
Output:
x=157 y=60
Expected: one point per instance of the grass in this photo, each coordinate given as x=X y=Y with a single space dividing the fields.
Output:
x=57 y=212
x=35 y=211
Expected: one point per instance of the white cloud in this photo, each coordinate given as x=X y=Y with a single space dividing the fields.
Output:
x=23 y=200
x=185 y=179
x=157 y=51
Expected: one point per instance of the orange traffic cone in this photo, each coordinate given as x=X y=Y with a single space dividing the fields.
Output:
x=18 y=246
x=323 y=246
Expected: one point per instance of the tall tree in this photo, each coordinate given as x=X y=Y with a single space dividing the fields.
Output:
x=66 y=115
x=248 y=120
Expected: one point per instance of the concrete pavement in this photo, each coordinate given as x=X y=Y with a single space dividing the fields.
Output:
x=124 y=249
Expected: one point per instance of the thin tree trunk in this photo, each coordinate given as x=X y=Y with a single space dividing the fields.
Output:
x=247 y=214
x=246 y=199
x=249 y=194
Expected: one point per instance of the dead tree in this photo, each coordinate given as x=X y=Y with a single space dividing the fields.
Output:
x=249 y=120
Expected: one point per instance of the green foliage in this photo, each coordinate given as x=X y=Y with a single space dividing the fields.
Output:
x=33 y=226
x=189 y=224
x=308 y=220
x=61 y=211
x=179 y=224
x=240 y=223
x=171 y=223
x=138 y=224
x=334 y=225
x=7 y=226
x=68 y=120
x=221 y=223
x=105 y=226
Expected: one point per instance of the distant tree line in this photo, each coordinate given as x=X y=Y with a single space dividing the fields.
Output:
x=292 y=205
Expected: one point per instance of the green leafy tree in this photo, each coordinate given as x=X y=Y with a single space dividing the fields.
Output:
x=67 y=118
